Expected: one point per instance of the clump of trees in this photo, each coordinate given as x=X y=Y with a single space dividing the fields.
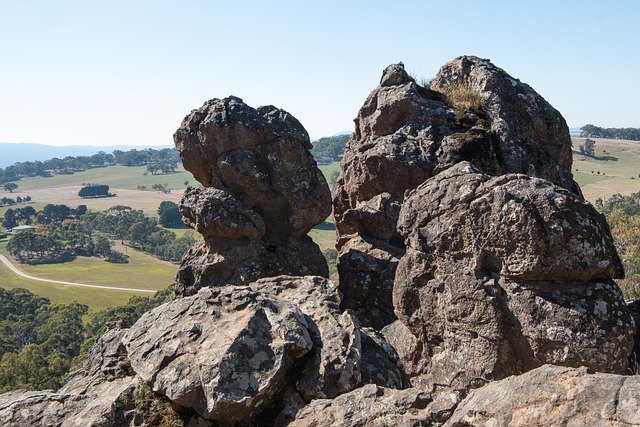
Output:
x=169 y=214
x=10 y=186
x=591 y=131
x=588 y=148
x=623 y=216
x=40 y=342
x=63 y=233
x=329 y=149
x=94 y=190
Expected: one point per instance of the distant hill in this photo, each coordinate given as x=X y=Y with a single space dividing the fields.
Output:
x=11 y=153
x=329 y=149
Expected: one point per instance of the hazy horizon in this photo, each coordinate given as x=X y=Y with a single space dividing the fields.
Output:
x=122 y=73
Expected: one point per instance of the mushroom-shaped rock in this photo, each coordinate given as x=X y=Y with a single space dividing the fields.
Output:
x=263 y=193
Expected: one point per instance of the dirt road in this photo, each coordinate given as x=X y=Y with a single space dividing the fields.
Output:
x=13 y=268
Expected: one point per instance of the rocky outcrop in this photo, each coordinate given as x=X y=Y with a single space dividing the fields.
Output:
x=230 y=353
x=553 y=396
x=262 y=194
x=514 y=270
x=472 y=111
x=467 y=255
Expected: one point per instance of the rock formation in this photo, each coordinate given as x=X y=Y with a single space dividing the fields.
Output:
x=476 y=284
x=552 y=396
x=405 y=134
x=262 y=194
x=514 y=270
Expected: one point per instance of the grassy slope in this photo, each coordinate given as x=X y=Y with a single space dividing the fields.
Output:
x=618 y=164
x=113 y=176
x=142 y=271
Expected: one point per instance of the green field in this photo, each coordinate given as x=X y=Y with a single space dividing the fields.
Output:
x=114 y=176
x=328 y=169
x=143 y=271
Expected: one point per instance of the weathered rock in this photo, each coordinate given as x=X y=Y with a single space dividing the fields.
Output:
x=33 y=408
x=261 y=156
x=226 y=352
x=222 y=352
x=368 y=406
x=406 y=134
x=372 y=265
x=332 y=367
x=381 y=364
x=107 y=361
x=504 y=274
x=263 y=193
x=217 y=213
x=218 y=262
x=634 y=358
x=550 y=396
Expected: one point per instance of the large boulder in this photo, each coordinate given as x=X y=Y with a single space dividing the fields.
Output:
x=234 y=353
x=504 y=274
x=406 y=133
x=263 y=193
x=553 y=396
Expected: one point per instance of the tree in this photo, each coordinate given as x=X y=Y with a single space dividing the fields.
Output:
x=589 y=147
x=10 y=186
x=169 y=214
x=10 y=219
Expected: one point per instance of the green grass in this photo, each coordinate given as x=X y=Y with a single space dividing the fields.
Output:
x=328 y=169
x=113 y=176
x=142 y=271
x=584 y=179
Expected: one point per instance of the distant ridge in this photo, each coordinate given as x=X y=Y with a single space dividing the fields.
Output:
x=11 y=153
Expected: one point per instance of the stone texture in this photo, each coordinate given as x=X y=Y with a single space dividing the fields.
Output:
x=217 y=213
x=263 y=193
x=92 y=396
x=634 y=358
x=406 y=133
x=227 y=352
x=504 y=274
x=219 y=261
x=222 y=352
x=553 y=396
x=367 y=406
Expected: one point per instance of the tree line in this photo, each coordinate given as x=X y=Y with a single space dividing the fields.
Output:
x=623 y=216
x=591 y=131
x=61 y=233
x=41 y=342
x=164 y=160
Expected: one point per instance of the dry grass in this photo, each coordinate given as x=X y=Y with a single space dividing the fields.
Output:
x=462 y=97
x=147 y=201
x=614 y=169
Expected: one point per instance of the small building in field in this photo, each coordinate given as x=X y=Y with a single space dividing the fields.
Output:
x=14 y=230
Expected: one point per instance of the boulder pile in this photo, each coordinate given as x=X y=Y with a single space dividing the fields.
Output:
x=475 y=284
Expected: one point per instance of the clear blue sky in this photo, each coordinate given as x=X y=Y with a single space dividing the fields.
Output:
x=127 y=72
